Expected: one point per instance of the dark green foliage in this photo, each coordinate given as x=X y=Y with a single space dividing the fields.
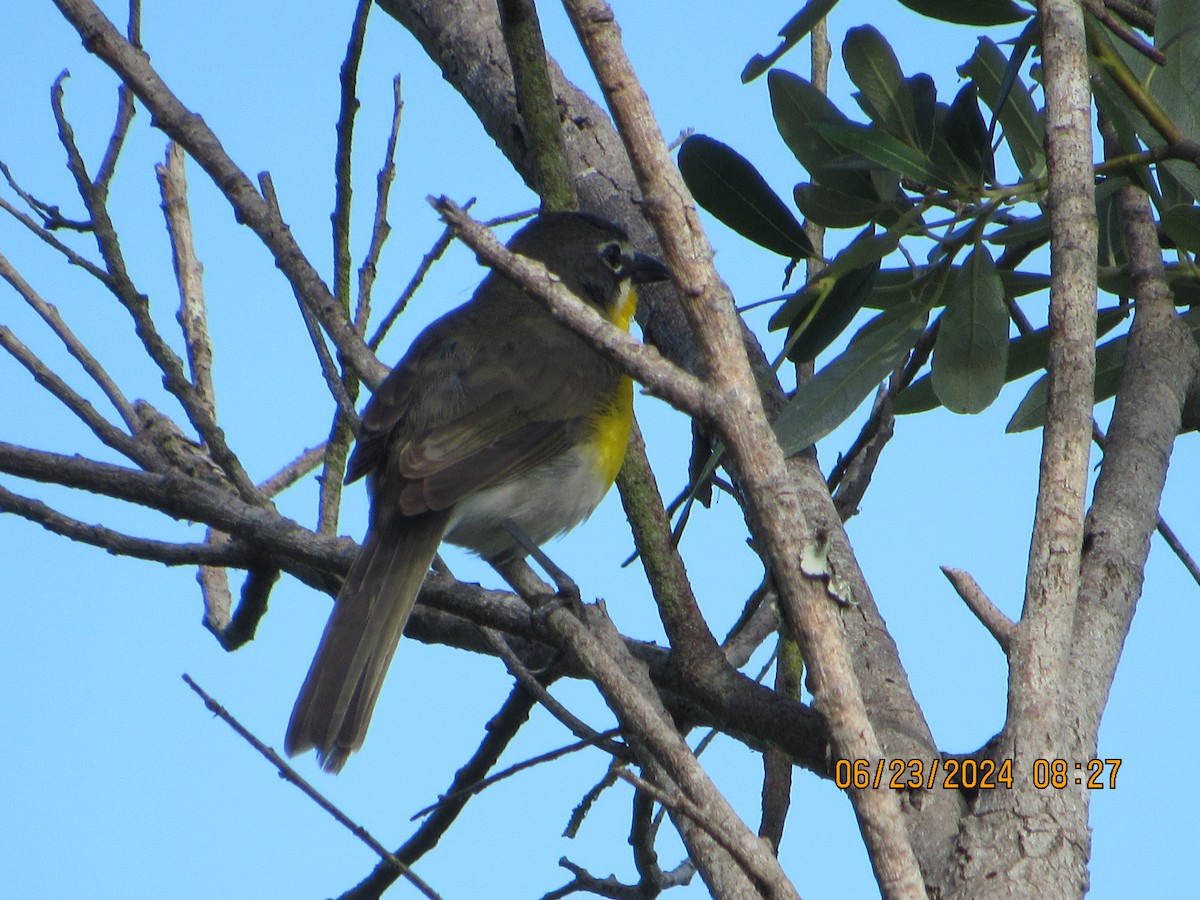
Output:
x=920 y=175
x=969 y=12
x=729 y=187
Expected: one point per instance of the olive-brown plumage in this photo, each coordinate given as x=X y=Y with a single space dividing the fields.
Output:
x=497 y=415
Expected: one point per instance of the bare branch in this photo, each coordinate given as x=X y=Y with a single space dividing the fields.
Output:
x=179 y=496
x=166 y=552
x=287 y=773
x=380 y=229
x=1162 y=366
x=999 y=626
x=1054 y=559
x=80 y=406
x=138 y=307
x=189 y=274
x=132 y=65
x=770 y=493
x=293 y=471
x=777 y=768
x=535 y=686
x=697 y=652
x=77 y=349
x=219 y=617
x=535 y=103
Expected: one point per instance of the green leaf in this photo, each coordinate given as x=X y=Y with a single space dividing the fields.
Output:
x=880 y=147
x=923 y=92
x=1176 y=36
x=833 y=209
x=969 y=12
x=874 y=69
x=971 y=353
x=1027 y=353
x=1110 y=361
x=1110 y=239
x=792 y=33
x=953 y=169
x=1182 y=279
x=1110 y=365
x=729 y=187
x=1023 y=125
x=1182 y=223
x=836 y=391
x=798 y=107
x=1173 y=193
x=1018 y=284
x=838 y=300
x=1035 y=230
x=1177 y=84
x=865 y=250
x=967 y=136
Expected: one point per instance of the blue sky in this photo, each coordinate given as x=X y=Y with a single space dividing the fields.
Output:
x=116 y=780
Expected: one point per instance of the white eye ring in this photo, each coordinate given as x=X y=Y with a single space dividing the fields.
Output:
x=611 y=253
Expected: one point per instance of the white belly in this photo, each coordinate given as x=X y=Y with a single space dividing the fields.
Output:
x=543 y=503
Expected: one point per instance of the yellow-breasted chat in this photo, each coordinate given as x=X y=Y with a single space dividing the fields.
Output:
x=500 y=425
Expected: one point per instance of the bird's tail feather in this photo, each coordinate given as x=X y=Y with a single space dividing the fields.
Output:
x=335 y=704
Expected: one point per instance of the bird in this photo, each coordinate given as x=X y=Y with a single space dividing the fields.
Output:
x=499 y=429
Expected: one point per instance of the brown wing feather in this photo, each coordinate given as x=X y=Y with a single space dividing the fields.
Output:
x=459 y=415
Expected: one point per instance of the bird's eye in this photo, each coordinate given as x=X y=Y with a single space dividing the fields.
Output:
x=611 y=253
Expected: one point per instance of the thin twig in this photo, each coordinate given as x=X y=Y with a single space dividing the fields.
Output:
x=585 y=804
x=108 y=165
x=1168 y=534
x=293 y=471
x=80 y=406
x=549 y=756
x=329 y=369
x=348 y=108
x=679 y=803
x=133 y=67
x=999 y=626
x=380 y=229
x=537 y=689
x=168 y=553
x=52 y=217
x=500 y=731
x=73 y=344
x=435 y=253
x=287 y=773
x=189 y=274
x=341 y=429
x=138 y=306
x=45 y=235
x=1137 y=42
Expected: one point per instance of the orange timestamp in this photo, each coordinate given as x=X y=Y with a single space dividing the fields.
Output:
x=971 y=774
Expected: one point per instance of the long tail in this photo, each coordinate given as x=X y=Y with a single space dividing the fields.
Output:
x=335 y=704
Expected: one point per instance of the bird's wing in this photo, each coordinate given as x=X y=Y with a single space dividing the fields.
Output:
x=457 y=415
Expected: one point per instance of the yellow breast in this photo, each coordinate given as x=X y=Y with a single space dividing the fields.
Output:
x=610 y=435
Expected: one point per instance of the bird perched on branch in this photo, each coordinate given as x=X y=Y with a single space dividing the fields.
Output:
x=499 y=429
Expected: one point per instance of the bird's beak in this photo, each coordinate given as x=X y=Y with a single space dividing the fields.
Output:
x=645 y=269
